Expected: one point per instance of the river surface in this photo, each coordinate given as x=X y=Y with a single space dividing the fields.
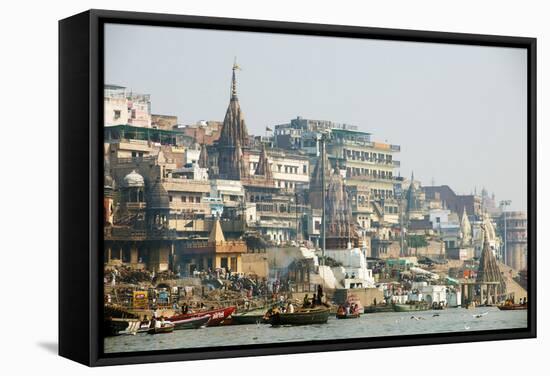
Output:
x=368 y=325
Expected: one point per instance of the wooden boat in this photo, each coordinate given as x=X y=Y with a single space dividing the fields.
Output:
x=216 y=315
x=343 y=313
x=165 y=328
x=512 y=307
x=302 y=316
x=191 y=323
x=415 y=306
x=348 y=316
x=250 y=317
x=120 y=326
x=378 y=308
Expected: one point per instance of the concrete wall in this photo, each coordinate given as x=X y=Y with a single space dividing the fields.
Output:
x=255 y=263
x=366 y=296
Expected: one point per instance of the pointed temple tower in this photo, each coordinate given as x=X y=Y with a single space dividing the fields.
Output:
x=413 y=204
x=263 y=168
x=340 y=225
x=316 y=184
x=465 y=229
x=489 y=271
x=234 y=137
x=203 y=157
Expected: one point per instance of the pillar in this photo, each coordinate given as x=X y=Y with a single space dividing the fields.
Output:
x=133 y=254
x=109 y=255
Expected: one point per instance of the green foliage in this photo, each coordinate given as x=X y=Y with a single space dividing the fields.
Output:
x=417 y=241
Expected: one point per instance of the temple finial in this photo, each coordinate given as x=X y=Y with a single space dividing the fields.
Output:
x=234 y=80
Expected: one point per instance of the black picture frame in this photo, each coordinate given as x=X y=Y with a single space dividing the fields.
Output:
x=80 y=184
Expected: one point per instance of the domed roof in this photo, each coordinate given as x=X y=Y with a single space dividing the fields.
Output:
x=157 y=197
x=107 y=181
x=133 y=179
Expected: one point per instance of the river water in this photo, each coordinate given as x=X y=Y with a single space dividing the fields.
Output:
x=368 y=325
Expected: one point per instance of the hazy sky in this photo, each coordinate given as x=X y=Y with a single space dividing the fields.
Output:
x=458 y=112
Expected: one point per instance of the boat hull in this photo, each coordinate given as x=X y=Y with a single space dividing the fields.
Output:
x=379 y=308
x=117 y=326
x=512 y=307
x=191 y=323
x=350 y=316
x=410 y=307
x=306 y=317
x=248 y=318
x=216 y=315
x=161 y=330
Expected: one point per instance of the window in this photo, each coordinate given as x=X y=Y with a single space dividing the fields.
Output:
x=117 y=114
x=305 y=169
x=170 y=198
x=183 y=199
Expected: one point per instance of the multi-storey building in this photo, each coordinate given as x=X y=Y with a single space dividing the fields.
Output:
x=289 y=169
x=124 y=107
x=369 y=169
x=516 y=238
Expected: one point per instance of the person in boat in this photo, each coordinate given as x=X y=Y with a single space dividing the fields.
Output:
x=314 y=300
x=374 y=301
x=306 y=301
x=320 y=294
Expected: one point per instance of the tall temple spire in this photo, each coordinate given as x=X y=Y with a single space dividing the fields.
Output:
x=316 y=188
x=340 y=224
x=465 y=228
x=263 y=168
x=203 y=157
x=233 y=137
x=489 y=270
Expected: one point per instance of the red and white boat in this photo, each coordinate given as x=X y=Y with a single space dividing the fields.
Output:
x=216 y=315
x=191 y=323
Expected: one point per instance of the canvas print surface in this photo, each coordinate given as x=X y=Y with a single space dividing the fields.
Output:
x=268 y=188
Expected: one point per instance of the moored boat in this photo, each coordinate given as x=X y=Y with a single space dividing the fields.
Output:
x=302 y=316
x=250 y=317
x=120 y=326
x=162 y=329
x=216 y=315
x=409 y=307
x=512 y=307
x=191 y=323
x=347 y=313
x=378 y=308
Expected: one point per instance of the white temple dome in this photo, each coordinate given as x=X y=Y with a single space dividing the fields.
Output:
x=133 y=179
